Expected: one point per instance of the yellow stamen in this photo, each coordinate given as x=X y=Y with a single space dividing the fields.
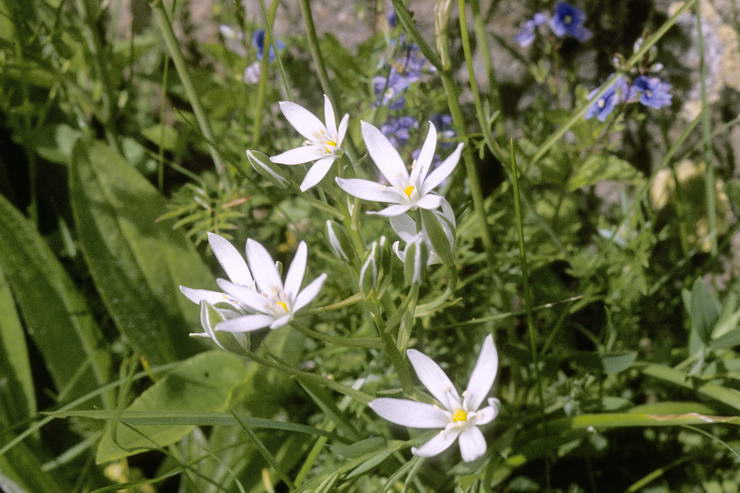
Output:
x=282 y=305
x=460 y=416
x=409 y=190
x=331 y=143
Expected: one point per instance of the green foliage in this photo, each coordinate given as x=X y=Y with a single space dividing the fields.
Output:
x=607 y=272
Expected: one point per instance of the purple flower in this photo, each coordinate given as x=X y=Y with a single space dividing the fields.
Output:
x=258 y=41
x=652 y=92
x=392 y=19
x=602 y=107
x=527 y=31
x=568 y=21
x=388 y=90
x=397 y=130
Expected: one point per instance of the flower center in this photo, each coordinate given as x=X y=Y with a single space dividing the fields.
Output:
x=409 y=190
x=282 y=305
x=567 y=19
x=602 y=103
x=459 y=416
x=649 y=93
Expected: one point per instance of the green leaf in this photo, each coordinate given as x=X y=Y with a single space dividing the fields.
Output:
x=704 y=310
x=262 y=165
x=17 y=389
x=202 y=384
x=617 y=362
x=55 y=313
x=441 y=243
x=136 y=263
x=730 y=339
x=603 y=167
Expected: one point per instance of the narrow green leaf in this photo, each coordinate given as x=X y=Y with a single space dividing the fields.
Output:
x=704 y=310
x=617 y=362
x=136 y=263
x=727 y=396
x=55 y=313
x=16 y=388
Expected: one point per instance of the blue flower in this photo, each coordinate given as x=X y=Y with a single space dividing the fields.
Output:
x=388 y=90
x=602 y=107
x=652 y=91
x=527 y=31
x=258 y=41
x=392 y=19
x=568 y=21
x=397 y=130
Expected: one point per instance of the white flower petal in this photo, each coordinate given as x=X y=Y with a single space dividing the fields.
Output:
x=281 y=321
x=230 y=259
x=438 y=444
x=434 y=378
x=299 y=155
x=247 y=297
x=263 y=268
x=368 y=190
x=247 y=323
x=205 y=321
x=385 y=156
x=429 y=201
x=342 y=129
x=211 y=297
x=294 y=278
x=409 y=413
x=426 y=155
x=487 y=414
x=302 y=120
x=472 y=444
x=483 y=375
x=317 y=172
x=442 y=171
x=309 y=293
x=404 y=226
x=393 y=210
x=329 y=118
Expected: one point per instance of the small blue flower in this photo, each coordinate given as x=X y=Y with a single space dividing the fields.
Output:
x=392 y=19
x=652 y=92
x=602 y=107
x=388 y=90
x=527 y=31
x=397 y=130
x=258 y=41
x=568 y=21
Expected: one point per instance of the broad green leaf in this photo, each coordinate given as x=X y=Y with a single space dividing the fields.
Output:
x=203 y=384
x=136 y=263
x=599 y=167
x=730 y=339
x=16 y=386
x=55 y=313
x=729 y=319
x=704 y=311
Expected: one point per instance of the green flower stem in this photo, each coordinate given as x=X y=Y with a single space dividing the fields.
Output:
x=633 y=60
x=264 y=74
x=364 y=342
x=165 y=26
x=269 y=21
x=481 y=38
x=528 y=298
x=710 y=187
x=318 y=60
x=95 y=45
x=471 y=171
x=318 y=379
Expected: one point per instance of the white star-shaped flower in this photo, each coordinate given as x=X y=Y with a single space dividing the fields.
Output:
x=323 y=142
x=458 y=417
x=406 y=191
x=257 y=296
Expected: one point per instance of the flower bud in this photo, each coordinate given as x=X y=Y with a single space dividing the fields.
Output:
x=338 y=240
x=262 y=165
x=416 y=255
x=369 y=270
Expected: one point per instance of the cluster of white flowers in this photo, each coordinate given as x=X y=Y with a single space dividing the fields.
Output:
x=254 y=296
